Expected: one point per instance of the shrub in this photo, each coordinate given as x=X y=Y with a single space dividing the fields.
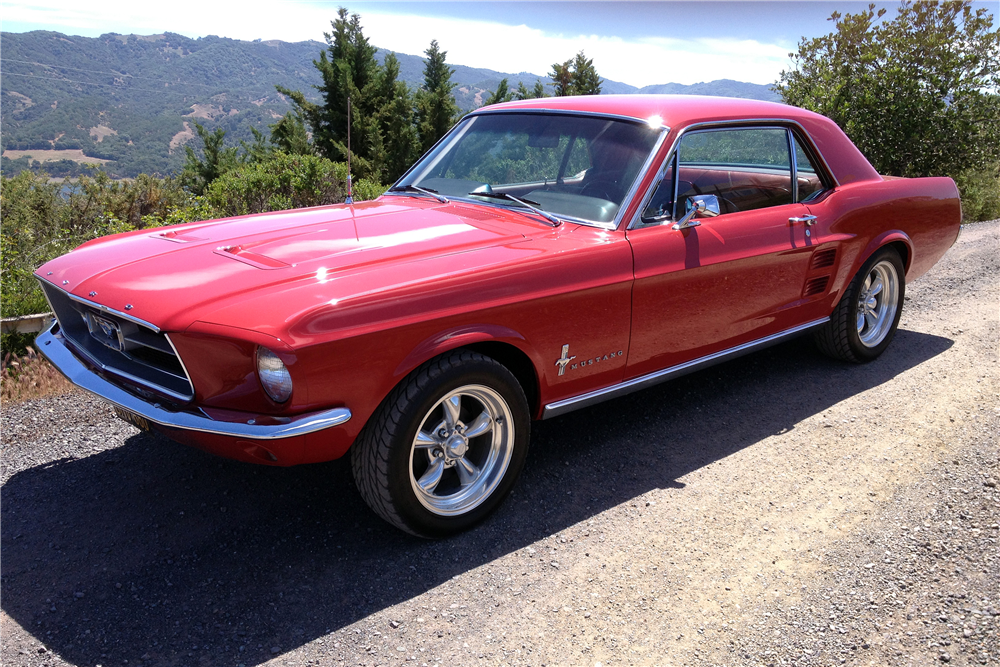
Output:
x=980 y=190
x=283 y=181
x=40 y=220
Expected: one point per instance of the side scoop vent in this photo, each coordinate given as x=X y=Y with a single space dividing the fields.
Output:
x=816 y=286
x=824 y=258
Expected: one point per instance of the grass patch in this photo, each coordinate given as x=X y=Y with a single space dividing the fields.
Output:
x=29 y=376
x=54 y=155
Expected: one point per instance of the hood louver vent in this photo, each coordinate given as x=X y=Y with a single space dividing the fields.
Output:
x=824 y=258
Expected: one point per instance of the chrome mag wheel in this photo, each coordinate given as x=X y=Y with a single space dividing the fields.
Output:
x=877 y=303
x=462 y=450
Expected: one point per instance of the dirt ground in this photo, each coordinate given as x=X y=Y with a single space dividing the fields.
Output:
x=781 y=509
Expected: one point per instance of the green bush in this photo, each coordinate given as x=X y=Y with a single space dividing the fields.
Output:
x=40 y=220
x=980 y=194
x=282 y=181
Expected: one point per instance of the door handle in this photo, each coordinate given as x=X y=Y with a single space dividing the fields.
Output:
x=810 y=220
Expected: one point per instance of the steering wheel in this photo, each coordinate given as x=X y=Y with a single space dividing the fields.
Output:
x=600 y=189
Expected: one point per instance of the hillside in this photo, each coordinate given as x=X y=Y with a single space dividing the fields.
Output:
x=128 y=101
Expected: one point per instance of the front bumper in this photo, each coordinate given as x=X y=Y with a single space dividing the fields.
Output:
x=52 y=346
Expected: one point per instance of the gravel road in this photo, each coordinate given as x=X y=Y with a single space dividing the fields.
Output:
x=781 y=509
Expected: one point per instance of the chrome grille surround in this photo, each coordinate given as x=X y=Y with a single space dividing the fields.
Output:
x=121 y=345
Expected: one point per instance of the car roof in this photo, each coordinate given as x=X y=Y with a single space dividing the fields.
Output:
x=674 y=110
x=846 y=163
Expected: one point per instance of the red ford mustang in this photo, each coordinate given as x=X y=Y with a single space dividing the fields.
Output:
x=544 y=256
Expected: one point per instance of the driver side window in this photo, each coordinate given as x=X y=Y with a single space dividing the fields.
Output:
x=744 y=168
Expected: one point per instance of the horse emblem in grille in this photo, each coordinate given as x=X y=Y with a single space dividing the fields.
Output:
x=107 y=332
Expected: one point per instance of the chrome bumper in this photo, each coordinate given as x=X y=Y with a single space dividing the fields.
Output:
x=52 y=347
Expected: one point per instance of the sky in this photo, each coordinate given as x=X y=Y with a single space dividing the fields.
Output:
x=639 y=43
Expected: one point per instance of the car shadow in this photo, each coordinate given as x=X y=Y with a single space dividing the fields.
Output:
x=156 y=553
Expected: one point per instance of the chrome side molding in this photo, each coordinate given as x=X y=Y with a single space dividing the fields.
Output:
x=51 y=346
x=636 y=384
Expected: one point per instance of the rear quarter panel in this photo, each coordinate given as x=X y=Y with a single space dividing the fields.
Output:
x=922 y=213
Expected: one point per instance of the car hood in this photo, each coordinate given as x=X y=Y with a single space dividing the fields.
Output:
x=173 y=276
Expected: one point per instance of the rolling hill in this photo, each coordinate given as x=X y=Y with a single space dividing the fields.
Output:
x=129 y=101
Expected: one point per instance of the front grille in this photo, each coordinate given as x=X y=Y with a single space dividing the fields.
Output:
x=121 y=346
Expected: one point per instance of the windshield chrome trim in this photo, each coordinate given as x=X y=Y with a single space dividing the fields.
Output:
x=623 y=388
x=560 y=112
x=776 y=123
x=634 y=189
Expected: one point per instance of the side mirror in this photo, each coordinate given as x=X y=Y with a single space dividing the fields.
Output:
x=701 y=206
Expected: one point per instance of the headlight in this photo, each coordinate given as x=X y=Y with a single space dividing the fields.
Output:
x=273 y=375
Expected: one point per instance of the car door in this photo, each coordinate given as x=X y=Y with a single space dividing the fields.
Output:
x=729 y=278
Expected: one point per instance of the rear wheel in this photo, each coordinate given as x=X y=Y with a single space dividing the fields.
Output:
x=865 y=320
x=445 y=447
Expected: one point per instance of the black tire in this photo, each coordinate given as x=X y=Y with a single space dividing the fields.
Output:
x=877 y=311
x=444 y=482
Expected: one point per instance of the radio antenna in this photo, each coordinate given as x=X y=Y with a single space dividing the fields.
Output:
x=350 y=192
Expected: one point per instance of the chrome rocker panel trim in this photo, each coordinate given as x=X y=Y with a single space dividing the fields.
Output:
x=624 y=388
x=53 y=349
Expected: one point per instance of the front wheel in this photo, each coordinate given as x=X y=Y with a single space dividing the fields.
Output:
x=864 y=322
x=445 y=447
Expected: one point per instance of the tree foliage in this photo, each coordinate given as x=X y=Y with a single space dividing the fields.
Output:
x=576 y=76
x=290 y=135
x=522 y=92
x=216 y=159
x=503 y=93
x=379 y=104
x=918 y=94
x=436 y=107
x=389 y=125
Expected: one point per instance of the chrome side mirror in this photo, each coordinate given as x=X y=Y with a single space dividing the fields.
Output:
x=705 y=206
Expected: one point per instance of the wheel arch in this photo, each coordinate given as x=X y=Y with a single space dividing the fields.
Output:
x=895 y=239
x=500 y=343
x=518 y=363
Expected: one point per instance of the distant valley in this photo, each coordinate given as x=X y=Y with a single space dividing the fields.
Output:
x=128 y=102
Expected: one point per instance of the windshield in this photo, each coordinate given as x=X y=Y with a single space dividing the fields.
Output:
x=574 y=167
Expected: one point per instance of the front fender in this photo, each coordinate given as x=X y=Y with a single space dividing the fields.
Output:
x=461 y=336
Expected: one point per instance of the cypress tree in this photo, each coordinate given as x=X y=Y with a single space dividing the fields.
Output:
x=436 y=107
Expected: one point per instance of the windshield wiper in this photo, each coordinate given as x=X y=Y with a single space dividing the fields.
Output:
x=417 y=188
x=527 y=203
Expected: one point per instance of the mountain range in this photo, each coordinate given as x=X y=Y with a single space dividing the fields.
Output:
x=129 y=101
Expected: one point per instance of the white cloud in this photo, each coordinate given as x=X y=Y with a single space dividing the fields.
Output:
x=638 y=62
x=523 y=49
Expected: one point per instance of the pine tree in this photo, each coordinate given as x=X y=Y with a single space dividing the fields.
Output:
x=198 y=173
x=585 y=78
x=396 y=121
x=576 y=76
x=522 y=92
x=436 y=107
x=349 y=70
x=289 y=134
x=562 y=78
x=501 y=94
